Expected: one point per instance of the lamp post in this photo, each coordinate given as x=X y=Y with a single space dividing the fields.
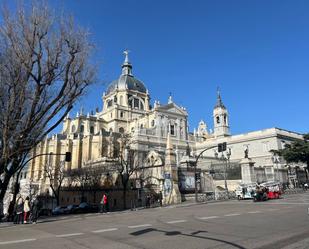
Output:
x=195 y=171
x=227 y=163
x=228 y=155
x=276 y=160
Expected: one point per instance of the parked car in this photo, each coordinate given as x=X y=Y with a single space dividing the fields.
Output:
x=84 y=207
x=70 y=209
x=58 y=210
x=45 y=212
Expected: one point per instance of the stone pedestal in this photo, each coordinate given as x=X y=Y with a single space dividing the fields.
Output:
x=247 y=171
x=171 y=193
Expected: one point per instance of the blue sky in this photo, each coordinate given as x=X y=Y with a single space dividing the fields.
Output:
x=257 y=52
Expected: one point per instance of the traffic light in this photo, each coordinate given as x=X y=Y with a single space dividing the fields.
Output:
x=68 y=157
x=222 y=147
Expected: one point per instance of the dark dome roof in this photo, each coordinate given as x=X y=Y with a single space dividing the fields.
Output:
x=126 y=82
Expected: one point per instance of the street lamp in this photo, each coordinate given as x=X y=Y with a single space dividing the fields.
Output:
x=275 y=159
x=228 y=155
x=227 y=163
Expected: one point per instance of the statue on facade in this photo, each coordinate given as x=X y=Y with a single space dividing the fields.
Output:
x=246 y=151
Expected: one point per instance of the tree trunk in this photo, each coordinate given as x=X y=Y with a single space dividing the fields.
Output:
x=16 y=189
x=3 y=188
x=124 y=197
x=58 y=196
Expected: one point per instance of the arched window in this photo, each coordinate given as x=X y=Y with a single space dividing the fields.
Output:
x=152 y=123
x=142 y=126
x=218 y=119
x=224 y=118
x=136 y=103
x=110 y=129
x=73 y=128
x=121 y=114
x=121 y=130
x=91 y=130
x=82 y=128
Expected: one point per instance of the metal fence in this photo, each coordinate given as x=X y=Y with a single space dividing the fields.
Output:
x=216 y=196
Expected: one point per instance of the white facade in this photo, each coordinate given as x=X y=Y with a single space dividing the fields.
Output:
x=127 y=110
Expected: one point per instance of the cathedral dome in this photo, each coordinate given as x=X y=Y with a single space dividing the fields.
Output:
x=126 y=80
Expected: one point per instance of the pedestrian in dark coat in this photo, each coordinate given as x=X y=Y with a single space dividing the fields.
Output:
x=35 y=210
x=19 y=211
x=11 y=210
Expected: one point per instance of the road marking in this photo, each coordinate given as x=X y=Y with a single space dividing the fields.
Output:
x=16 y=241
x=105 y=230
x=231 y=215
x=143 y=225
x=176 y=221
x=254 y=212
x=208 y=217
x=274 y=209
x=68 y=235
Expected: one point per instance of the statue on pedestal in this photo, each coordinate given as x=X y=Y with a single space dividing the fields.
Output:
x=246 y=151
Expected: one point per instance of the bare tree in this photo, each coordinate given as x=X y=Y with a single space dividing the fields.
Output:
x=87 y=178
x=44 y=67
x=56 y=176
x=127 y=163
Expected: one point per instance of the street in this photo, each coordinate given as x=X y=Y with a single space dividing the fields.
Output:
x=273 y=224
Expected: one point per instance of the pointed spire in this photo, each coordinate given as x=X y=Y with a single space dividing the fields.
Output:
x=126 y=66
x=219 y=100
x=169 y=145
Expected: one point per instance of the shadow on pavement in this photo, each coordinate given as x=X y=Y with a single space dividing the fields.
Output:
x=193 y=234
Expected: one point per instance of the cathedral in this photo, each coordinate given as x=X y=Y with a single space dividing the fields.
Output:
x=166 y=148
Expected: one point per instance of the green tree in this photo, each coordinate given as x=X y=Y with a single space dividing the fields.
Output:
x=297 y=151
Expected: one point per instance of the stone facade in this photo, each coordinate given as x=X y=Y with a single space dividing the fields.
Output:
x=160 y=133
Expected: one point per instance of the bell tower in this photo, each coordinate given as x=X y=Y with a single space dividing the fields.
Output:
x=221 y=118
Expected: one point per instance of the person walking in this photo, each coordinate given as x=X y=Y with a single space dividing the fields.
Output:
x=104 y=203
x=35 y=210
x=26 y=210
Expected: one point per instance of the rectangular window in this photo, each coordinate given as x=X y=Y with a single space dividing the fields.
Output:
x=172 y=130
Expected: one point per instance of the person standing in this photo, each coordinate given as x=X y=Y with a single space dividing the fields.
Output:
x=11 y=213
x=26 y=210
x=160 y=198
x=19 y=211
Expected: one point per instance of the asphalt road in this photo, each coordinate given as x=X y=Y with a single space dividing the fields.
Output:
x=273 y=224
